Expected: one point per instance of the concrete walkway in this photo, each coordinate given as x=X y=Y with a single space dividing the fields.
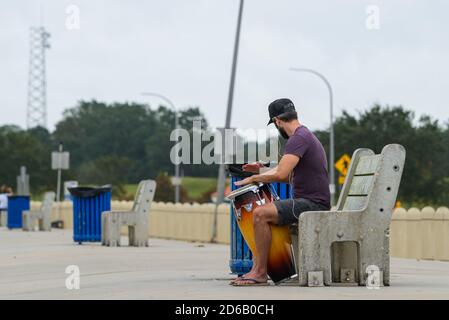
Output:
x=32 y=266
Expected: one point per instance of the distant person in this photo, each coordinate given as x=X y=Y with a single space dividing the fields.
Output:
x=4 y=193
x=3 y=198
x=8 y=191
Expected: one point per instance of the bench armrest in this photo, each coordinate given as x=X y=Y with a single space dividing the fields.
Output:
x=308 y=214
x=118 y=212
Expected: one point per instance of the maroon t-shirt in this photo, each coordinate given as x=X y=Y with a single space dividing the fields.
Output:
x=310 y=178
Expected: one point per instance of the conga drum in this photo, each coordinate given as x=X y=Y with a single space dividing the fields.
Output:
x=281 y=262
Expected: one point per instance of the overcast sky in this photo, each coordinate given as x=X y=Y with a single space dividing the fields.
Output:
x=183 y=49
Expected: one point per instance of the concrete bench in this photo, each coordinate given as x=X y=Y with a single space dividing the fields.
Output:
x=350 y=244
x=42 y=216
x=136 y=220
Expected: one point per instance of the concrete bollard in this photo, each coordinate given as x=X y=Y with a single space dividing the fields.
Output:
x=427 y=232
x=414 y=242
x=224 y=220
x=438 y=234
x=165 y=221
x=168 y=208
x=154 y=217
x=398 y=233
x=444 y=211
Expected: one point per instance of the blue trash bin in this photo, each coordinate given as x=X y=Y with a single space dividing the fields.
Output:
x=88 y=206
x=16 y=205
x=241 y=257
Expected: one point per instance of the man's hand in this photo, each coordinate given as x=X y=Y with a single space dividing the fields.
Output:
x=245 y=181
x=252 y=167
x=279 y=174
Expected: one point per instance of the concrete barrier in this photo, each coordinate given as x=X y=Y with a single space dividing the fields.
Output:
x=445 y=214
x=420 y=234
x=398 y=233
x=191 y=222
x=415 y=234
x=438 y=233
x=427 y=233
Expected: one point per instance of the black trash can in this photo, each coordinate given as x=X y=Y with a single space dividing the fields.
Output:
x=88 y=205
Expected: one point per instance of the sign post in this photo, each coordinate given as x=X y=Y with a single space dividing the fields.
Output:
x=23 y=182
x=60 y=160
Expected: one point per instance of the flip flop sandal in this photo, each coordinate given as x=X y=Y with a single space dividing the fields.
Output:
x=253 y=284
x=234 y=280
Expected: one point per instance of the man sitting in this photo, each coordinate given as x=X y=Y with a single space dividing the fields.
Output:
x=304 y=166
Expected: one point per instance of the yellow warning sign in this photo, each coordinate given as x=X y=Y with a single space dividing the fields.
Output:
x=342 y=165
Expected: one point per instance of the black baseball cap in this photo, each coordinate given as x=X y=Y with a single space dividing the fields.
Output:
x=279 y=107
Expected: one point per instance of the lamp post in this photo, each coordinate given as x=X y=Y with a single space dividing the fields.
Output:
x=172 y=105
x=221 y=171
x=332 y=140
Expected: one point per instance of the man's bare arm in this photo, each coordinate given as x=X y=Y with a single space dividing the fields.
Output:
x=273 y=172
x=280 y=173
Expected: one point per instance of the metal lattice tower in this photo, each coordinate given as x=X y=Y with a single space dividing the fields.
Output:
x=37 y=97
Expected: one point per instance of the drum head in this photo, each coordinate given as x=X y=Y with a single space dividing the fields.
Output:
x=245 y=189
x=236 y=170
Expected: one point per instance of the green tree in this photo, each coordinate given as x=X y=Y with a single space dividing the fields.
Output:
x=106 y=170
x=424 y=171
x=94 y=129
x=165 y=191
x=26 y=148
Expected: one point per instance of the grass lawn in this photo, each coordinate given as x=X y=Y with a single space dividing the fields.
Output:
x=195 y=186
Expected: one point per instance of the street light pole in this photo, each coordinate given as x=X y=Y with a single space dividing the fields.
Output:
x=332 y=140
x=172 y=105
x=221 y=171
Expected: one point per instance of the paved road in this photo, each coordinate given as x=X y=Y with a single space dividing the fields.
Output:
x=32 y=266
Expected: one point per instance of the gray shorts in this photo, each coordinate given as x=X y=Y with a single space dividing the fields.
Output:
x=290 y=209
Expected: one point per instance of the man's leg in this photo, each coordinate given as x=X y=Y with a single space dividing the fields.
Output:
x=254 y=267
x=263 y=217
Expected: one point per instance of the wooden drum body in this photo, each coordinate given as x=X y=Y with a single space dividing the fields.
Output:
x=281 y=262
